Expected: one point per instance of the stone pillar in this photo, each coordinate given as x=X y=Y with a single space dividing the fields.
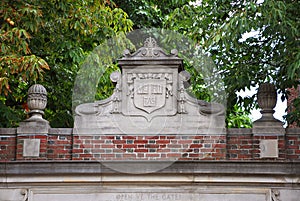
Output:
x=268 y=132
x=32 y=133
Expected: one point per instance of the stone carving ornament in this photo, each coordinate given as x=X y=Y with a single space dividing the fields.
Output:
x=149 y=97
x=37 y=101
x=275 y=195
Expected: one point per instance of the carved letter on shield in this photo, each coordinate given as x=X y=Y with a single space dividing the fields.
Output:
x=149 y=94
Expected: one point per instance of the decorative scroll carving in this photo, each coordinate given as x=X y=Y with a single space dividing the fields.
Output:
x=275 y=195
x=116 y=77
x=24 y=192
x=151 y=50
x=184 y=76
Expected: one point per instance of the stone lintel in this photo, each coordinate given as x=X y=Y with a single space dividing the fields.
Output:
x=179 y=167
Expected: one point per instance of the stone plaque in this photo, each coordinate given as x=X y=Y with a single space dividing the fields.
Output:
x=31 y=147
x=157 y=196
x=268 y=148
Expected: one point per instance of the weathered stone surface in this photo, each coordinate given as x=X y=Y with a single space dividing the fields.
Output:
x=13 y=194
x=179 y=167
x=149 y=193
x=289 y=195
x=268 y=148
x=149 y=98
x=33 y=127
x=37 y=101
x=31 y=147
x=189 y=181
x=160 y=195
x=267 y=124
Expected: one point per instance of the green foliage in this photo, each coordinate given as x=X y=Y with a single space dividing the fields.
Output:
x=93 y=79
x=294 y=112
x=37 y=34
x=16 y=58
x=18 y=64
x=47 y=42
x=149 y=13
x=271 y=55
x=238 y=118
x=219 y=27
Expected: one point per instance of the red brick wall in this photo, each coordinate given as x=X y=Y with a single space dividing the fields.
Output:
x=293 y=144
x=61 y=144
x=8 y=144
x=293 y=93
x=240 y=144
x=163 y=147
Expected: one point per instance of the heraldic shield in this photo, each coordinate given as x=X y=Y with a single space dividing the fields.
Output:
x=149 y=94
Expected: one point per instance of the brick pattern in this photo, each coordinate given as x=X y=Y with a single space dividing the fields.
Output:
x=293 y=147
x=247 y=147
x=294 y=93
x=241 y=145
x=7 y=147
x=59 y=147
x=172 y=147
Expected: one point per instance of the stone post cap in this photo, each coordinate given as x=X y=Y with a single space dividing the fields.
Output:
x=36 y=101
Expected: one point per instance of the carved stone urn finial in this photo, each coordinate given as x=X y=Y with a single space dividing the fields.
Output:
x=267 y=124
x=267 y=98
x=36 y=101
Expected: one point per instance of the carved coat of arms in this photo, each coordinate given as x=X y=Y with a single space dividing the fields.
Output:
x=149 y=94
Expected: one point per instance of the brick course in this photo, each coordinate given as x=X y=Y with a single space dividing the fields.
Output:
x=237 y=144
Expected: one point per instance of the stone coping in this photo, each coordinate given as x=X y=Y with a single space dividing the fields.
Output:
x=239 y=131
x=61 y=131
x=292 y=131
x=69 y=131
x=55 y=168
x=8 y=131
